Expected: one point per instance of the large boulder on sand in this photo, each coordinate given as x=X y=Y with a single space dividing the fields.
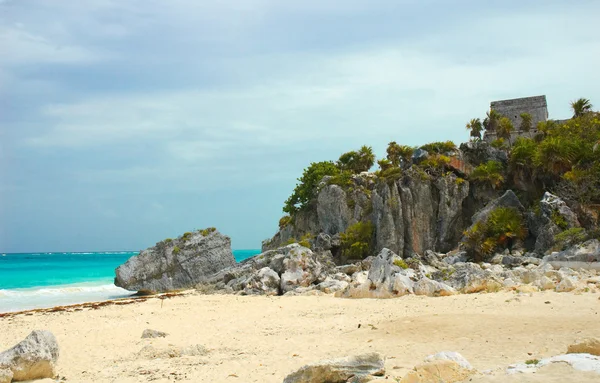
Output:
x=33 y=358
x=177 y=264
x=357 y=369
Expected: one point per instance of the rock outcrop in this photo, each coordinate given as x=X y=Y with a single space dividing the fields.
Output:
x=357 y=369
x=33 y=358
x=148 y=333
x=176 y=264
x=553 y=218
x=586 y=346
x=584 y=253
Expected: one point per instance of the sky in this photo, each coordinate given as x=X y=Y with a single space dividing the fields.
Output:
x=126 y=122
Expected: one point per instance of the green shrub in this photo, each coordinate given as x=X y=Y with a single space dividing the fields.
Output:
x=523 y=153
x=305 y=240
x=532 y=361
x=343 y=179
x=559 y=220
x=176 y=250
x=571 y=236
x=186 y=236
x=284 y=221
x=168 y=240
x=400 y=263
x=207 y=231
x=499 y=143
x=489 y=172
x=307 y=188
x=290 y=241
x=391 y=174
x=439 y=147
x=503 y=225
x=356 y=242
x=460 y=181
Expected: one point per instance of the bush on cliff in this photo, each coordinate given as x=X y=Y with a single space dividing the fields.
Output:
x=357 y=161
x=503 y=226
x=357 y=241
x=490 y=173
x=439 y=147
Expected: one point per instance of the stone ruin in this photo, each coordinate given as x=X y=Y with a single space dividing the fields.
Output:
x=536 y=106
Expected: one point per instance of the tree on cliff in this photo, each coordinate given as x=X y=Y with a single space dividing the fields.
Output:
x=357 y=161
x=581 y=107
x=307 y=188
x=475 y=127
x=397 y=154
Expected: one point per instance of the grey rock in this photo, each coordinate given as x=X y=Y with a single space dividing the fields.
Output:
x=383 y=268
x=431 y=288
x=419 y=156
x=179 y=264
x=148 y=333
x=478 y=152
x=514 y=261
x=323 y=242
x=460 y=256
x=418 y=214
x=33 y=358
x=331 y=285
x=586 y=252
x=357 y=369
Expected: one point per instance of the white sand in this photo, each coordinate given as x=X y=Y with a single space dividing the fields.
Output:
x=262 y=339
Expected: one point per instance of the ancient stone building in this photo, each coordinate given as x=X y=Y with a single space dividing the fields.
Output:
x=535 y=106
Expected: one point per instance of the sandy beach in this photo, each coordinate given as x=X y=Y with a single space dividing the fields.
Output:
x=262 y=339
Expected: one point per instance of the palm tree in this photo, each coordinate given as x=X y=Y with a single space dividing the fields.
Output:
x=505 y=128
x=526 y=122
x=581 y=107
x=491 y=120
x=399 y=153
x=366 y=158
x=475 y=127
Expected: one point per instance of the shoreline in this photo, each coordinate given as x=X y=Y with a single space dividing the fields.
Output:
x=262 y=339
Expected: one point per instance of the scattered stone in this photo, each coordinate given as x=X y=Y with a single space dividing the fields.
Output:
x=586 y=346
x=360 y=369
x=148 y=333
x=586 y=252
x=266 y=282
x=565 y=285
x=580 y=362
x=171 y=351
x=33 y=358
x=447 y=371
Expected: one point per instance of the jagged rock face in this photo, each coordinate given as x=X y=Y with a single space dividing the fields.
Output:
x=409 y=216
x=544 y=226
x=178 y=264
x=33 y=358
x=508 y=199
x=584 y=253
x=387 y=218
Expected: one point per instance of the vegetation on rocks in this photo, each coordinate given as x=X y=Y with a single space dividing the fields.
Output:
x=503 y=226
x=439 y=147
x=570 y=237
x=357 y=241
x=489 y=173
x=307 y=188
x=284 y=221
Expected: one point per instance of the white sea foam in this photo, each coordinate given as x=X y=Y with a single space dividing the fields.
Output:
x=50 y=296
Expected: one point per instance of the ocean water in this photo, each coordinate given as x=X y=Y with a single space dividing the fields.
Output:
x=38 y=280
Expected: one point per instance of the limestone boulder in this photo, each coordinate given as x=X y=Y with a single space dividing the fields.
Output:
x=33 y=358
x=6 y=375
x=436 y=371
x=358 y=369
x=555 y=216
x=265 y=282
x=177 y=264
x=586 y=252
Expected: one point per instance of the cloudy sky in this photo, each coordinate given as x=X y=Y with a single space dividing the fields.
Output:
x=125 y=122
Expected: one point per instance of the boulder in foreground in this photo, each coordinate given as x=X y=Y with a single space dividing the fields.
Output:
x=356 y=369
x=176 y=264
x=33 y=358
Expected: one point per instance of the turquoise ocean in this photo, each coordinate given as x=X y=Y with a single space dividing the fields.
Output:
x=38 y=280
